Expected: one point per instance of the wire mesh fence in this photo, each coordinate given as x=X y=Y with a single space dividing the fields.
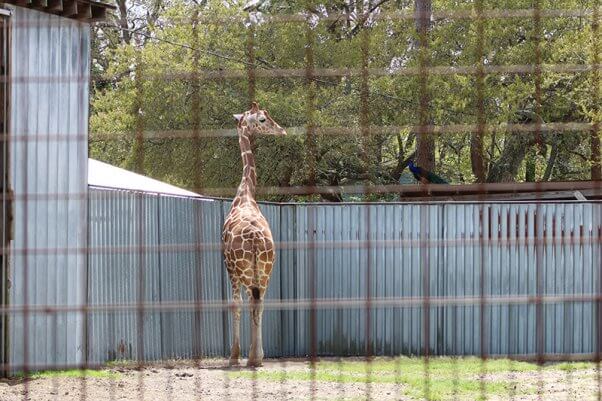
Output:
x=389 y=281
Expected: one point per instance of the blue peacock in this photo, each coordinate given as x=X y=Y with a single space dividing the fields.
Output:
x=423 y=175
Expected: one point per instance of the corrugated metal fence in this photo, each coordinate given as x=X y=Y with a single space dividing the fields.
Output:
x=48 y=173
x=143 y=250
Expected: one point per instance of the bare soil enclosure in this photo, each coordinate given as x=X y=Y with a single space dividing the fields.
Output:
x=349 y=379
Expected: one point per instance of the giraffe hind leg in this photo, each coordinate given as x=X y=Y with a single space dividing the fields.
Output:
x=256 y=310
x=236 y=307
x=256 y=351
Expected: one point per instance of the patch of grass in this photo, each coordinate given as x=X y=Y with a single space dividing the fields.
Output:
x=572 y=366
x=76 y=373
x=449 y=378
x=463 y=366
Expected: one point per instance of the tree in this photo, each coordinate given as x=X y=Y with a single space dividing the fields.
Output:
x=196 y=75
x=425 y=143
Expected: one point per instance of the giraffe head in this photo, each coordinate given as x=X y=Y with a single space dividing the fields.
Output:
x=259 y=122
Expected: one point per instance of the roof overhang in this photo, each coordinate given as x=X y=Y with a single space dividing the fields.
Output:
x=104 y=175
x=81 y=10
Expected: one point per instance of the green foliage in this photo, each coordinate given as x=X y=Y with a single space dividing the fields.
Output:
x=171 y=83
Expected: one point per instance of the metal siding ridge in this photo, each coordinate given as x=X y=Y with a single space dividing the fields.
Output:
x=397 y=272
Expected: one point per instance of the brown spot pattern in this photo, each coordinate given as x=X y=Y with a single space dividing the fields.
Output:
x=247 y=239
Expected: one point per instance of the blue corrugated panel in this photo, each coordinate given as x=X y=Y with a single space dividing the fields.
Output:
x=352 y=252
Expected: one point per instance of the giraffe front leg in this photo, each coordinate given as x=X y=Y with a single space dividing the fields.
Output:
x=235 y=349
x=256 y=351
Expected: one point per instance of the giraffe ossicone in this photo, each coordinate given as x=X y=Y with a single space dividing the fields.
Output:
x=247 y=240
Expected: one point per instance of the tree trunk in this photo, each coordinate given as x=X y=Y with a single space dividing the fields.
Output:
x=126 y=36
x=396 y=174
x=514 y=152
x=551 y=161
x=530 y=165
x=425 y=144
x=477 y=160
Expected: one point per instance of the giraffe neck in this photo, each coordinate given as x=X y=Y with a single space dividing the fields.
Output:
x=246 y=189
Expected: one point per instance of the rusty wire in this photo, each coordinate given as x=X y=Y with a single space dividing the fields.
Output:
x=425 y=128
x=309 y=303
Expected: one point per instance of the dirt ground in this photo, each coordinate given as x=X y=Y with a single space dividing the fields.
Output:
x=213 y=380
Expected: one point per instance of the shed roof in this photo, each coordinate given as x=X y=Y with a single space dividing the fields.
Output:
x=104 y=175
x=82 y=10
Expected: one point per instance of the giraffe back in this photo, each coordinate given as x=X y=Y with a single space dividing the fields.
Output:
x=248 y=247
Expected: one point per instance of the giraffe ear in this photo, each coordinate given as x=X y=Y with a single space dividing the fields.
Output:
x=237 y=117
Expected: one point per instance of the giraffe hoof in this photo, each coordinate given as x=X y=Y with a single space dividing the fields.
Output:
x=233 y=362
x=254 y=363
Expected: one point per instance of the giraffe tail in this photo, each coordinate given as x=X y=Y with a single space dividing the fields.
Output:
x=255 y=288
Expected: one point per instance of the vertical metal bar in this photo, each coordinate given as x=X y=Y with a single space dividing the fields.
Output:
x=399 y=292
x=313 y=284
x=310 y=102
x=478 y=137
x=425 y=141
x=140 y=287
x=199 y=271
x=282 y=315
x=140 y=216
x=311 y=212
x=138 y=146
x=54 y=329
x=477 y=158
x=596 y=167
x=539 y=307
x=454 y=232
x=3 y=132
x=424 y=145
x=224 y=290
x=195 y=104
x=513 y=346
x=367 y=142
x=83 y=204
x=483 y=333
x=597 y=175
x=195 y=111
x=25 y=172
x=251 y=80
x=251 y=87
x=539 y=221
x=6 y=200
x=426 y=302
x=569 y=269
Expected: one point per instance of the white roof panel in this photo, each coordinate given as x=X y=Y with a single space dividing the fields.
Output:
x=104 y=175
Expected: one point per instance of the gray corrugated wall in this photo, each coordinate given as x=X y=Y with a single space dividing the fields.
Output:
x=127 y=273
x=342 y=252
x=173 y=271
x=48 y=128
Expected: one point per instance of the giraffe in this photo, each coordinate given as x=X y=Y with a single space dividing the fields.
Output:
x=247 y=239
